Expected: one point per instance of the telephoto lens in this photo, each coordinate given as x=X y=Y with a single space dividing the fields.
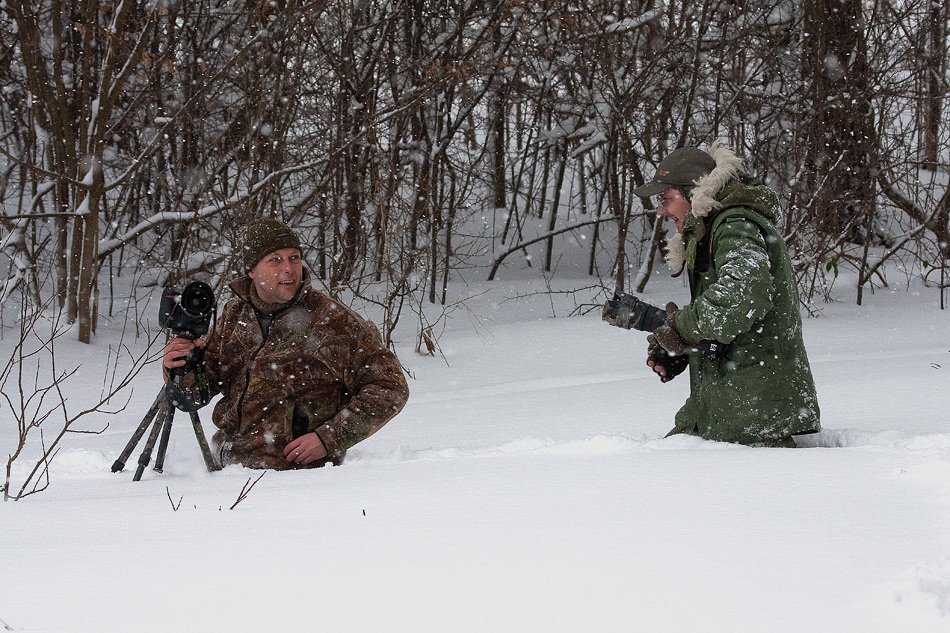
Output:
x=197 y=299
x=189 y=312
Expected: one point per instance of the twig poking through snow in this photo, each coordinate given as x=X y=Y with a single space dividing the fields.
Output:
x=247 y=489
x=174 y=506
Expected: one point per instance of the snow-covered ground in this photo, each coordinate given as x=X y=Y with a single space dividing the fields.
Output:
x=525 y=487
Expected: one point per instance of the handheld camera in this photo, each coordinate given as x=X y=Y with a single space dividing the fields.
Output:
x=629 y=312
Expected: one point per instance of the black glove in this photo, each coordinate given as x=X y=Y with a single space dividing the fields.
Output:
x=670 y=366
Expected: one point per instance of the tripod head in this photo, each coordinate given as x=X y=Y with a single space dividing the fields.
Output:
x=175 y=388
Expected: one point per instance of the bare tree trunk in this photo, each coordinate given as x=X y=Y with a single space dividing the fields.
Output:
x=497 y=113
x=842 y=144
x=555 y=203
x=616 y=208
x=935 y=73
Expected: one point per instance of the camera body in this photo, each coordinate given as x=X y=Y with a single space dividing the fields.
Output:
x=187 y=313
x=629 y=312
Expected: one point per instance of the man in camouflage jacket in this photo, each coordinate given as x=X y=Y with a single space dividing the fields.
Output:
x=302 y=377
x=743 y=294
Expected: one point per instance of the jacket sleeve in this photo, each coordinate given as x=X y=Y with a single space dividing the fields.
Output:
x=378 y=391
x=212 y=362
x=741 y=292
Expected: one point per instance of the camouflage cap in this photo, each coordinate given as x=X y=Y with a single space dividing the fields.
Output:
x=265 y=236
x=682 y=168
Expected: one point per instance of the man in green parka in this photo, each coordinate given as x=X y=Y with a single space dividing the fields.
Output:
x=743 y=294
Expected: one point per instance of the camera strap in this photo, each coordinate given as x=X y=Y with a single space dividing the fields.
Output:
x=176 y=392
x=181 y=400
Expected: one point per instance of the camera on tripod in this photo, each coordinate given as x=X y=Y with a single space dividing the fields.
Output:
x=187 y=313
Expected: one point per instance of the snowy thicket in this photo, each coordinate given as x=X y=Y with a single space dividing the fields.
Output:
x=419 y=143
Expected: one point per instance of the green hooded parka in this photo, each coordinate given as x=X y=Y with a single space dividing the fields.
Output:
x=744 y=294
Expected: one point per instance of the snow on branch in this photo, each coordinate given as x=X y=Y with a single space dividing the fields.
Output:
x=107 y=247
x=629 y=24
x=517 y=247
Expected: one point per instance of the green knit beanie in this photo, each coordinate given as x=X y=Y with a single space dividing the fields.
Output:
x=263 y=237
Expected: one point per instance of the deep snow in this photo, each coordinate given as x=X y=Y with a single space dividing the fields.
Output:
x=525 y=487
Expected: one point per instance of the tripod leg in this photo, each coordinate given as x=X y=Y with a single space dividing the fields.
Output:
x=139 y=432
x=167 y=412
x=163 y=443
x=203 y=443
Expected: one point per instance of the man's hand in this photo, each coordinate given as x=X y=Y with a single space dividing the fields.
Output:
x=175 y=351
x=305 y=449
x=667 y=352
x=663 y=365
x=669 y=338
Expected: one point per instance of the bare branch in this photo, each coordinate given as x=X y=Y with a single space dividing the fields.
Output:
x=174 y=505
x=246 y=489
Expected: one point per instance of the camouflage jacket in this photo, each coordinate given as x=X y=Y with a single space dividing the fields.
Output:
x=314 y=354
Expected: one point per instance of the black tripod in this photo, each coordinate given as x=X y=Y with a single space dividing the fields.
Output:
x=163 y=413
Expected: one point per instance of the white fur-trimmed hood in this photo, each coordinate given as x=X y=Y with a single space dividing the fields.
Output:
x=703 y=199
